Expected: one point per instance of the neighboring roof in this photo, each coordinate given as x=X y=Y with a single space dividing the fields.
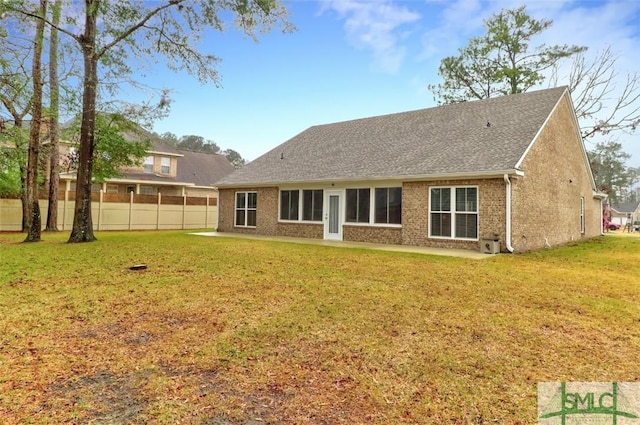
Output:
x=203 y=169
x=478 y=137
x=625 y=207
x=195 y=168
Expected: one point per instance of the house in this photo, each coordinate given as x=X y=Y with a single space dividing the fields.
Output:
x=625 y=213
x=512 y=168
x=165 y=170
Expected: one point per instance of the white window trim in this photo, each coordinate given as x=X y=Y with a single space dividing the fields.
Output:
x=300 y=220
x=453 y=212
x=246 y=208
x=280 y=220
x=583 y=226
x=149 y=160
x=372 y=208
x=162 y=165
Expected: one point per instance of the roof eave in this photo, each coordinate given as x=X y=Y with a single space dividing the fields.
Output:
x=512 y=172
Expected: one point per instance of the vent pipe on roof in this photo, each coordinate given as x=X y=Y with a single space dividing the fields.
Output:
x=507 y=236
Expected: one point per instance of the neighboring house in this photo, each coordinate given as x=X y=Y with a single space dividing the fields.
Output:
x=514 y=168
x=624 y=213
x=165 y=170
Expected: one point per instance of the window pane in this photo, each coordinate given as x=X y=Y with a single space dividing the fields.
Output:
x=312 y=205
x=441 y=224
x=307 y=205
x=284 y=205
x=165 y=164
x=148 y=164
x=435 y=199
x=252 y=198
x=240 y=199
x=240 y=215
x=466 y=226
x=395 y=205
x=289 y=204
x=382 y=206
x=441 y=199
x=363 y=205
x=251 y=218
x=352 y=205
x=467 y=199
x=294 y=204
x=318 y=195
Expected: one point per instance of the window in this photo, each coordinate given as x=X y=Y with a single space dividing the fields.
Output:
x=312 y=205
x=358 y=205
x=148 y=164
x=112 y=188
x=96 y=187
x=454 y=212
x=147 y=190
x=388 y=209
x=289 y=204
x=165 y=165
x=130 y=189
x=246 y=204
x=582 y=221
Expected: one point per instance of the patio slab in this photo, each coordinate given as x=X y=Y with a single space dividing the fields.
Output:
x=461 y=253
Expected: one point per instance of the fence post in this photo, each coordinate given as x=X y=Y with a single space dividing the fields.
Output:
x=64 y=206
x=206 y=214
x=130 y=209
x=184 y=209
x=100 y=208
x=158 y=212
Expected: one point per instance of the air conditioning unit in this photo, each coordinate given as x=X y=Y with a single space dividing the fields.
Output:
x=489 y=246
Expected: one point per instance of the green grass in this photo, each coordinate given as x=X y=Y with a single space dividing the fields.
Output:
x=231 y=331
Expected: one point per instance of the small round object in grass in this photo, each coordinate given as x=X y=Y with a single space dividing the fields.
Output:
x=138 y=267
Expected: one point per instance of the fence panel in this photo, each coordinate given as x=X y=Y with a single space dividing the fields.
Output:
x=118 y=212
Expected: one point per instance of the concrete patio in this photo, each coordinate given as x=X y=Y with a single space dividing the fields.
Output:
x=461 y=253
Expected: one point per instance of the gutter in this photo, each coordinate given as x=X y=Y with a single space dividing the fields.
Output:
x=507 y=236
x=405 y=178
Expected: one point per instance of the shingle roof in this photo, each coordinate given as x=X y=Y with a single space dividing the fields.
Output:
x=203 y=169
x=451 y=139
x=625 y=207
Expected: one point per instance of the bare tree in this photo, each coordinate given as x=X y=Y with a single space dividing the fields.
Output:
x=604 y=102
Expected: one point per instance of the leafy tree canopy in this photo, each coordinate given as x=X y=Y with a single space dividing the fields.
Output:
x=612 y=175
x=119 y=143
x=501 y=61
x=197 y=144
x=234 y=158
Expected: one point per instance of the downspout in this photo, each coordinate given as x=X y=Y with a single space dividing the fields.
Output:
x=507 y=236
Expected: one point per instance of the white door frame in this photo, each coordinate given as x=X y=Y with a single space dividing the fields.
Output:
x=333 y=217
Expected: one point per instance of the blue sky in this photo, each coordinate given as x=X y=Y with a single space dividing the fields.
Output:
x=356 y=58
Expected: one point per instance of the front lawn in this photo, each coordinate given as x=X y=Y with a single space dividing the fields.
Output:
x=229 y=331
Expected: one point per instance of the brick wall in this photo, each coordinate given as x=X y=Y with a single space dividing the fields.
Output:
x=266 y=216
x=388 y=235
x=415 y=212
x=266 y=213
x=546 y=201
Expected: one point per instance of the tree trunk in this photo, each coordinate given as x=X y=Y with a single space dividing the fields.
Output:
x=82 y=230
x=34 y=222
x=54 y=130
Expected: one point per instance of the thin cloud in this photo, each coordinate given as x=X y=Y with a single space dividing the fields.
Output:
x=376 y=26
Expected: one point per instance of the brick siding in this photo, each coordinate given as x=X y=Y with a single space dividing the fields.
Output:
x=546 y=201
